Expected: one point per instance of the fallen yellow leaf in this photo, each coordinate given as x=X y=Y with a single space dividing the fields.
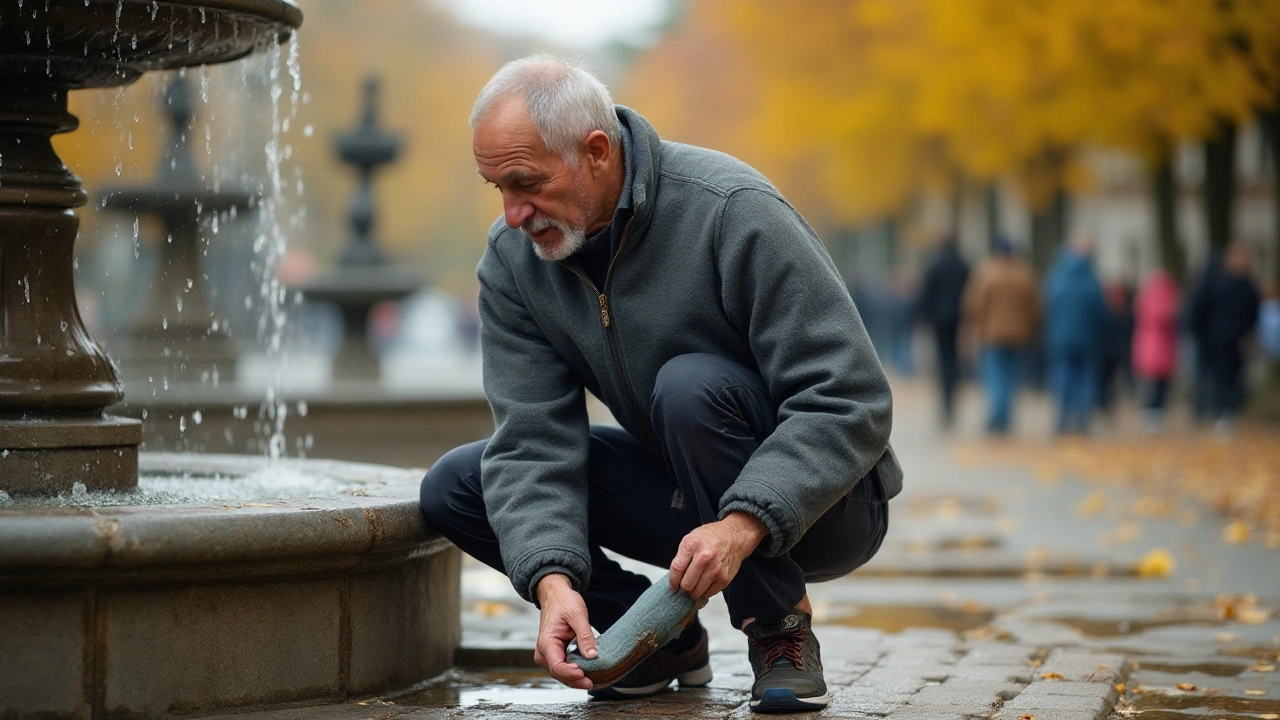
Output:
x=1255 y=691
x=1119 y=687
x=1026 y=716
x=1237 y=533
x=1262 y=668
x=1051 y=675
x=1157 y=563
x=1269 y=716
x=1224 y=637
x=1185 y=686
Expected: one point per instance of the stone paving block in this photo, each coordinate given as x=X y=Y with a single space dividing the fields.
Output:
x=43 y=636
x=860 y=701
x=1007 y=713
x=923 y=713
x=891 y=681
x=1081 y=666
x=1021 y=674
x=991 y=653
x=1084 y=689
x=966 y=698
x=1079 y=703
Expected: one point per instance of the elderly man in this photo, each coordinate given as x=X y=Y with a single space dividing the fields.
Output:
x=678 y=286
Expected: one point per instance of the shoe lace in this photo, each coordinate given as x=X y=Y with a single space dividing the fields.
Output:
x=788 y=645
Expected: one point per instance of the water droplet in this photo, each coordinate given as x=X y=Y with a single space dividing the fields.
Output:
x=240 y=412
x=197 y=417
x=119 y=168
x=164 y=322
x=182 y=424
x=179 y=303
x=308 y=130
x=302 y=408
x=63 y=324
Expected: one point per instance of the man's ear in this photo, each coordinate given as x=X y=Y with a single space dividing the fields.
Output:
x=599 y=150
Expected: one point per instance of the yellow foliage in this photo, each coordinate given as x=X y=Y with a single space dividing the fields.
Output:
x=1157 y=563
x=852 y=107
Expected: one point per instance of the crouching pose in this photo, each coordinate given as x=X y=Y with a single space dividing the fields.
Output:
x=676 y=285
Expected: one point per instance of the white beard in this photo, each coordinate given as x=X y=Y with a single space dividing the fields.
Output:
x=571 y=239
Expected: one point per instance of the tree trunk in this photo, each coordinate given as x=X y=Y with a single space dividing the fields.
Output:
x=1165 y=191
x=1220 y=184
x=1048 y=230
x=993 y=214
x=1271 y=128
x=957 y=204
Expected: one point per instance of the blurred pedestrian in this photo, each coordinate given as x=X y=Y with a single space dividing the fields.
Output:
x=1155 y=343
x=941 y=291
x=1269 y=325
x=1075 y=331
x=1116 y=349
x=1002 y=309
x=1228 y=311
x=1197 y=324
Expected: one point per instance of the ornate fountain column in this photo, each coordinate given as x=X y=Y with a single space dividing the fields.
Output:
x=55 y=382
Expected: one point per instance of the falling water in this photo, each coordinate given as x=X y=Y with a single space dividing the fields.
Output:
x=269 y=246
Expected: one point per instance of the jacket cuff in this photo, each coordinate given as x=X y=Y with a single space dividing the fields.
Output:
x=526 y=574
x=759 y=500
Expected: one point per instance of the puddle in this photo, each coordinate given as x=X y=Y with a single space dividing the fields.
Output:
x=896 y=618
x=494 y=688
x=1160 y=706
x=1098 y=628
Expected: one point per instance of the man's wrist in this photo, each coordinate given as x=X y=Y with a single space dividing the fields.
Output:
x=551 y=583
x=750 y=527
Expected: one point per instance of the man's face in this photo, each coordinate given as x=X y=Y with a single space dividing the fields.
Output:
x=541 y=193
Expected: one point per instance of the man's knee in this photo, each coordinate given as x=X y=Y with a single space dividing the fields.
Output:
x=451 y=479
x=687 y=386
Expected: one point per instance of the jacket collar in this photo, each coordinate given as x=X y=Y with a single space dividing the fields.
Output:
x=646 y=149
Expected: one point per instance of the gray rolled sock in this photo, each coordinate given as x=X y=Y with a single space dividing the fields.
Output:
x=658 y=616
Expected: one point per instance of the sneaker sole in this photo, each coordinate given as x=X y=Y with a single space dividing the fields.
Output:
x=782 y=700
x=696 y=678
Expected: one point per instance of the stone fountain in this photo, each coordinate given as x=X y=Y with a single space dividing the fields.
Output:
x=124 y=597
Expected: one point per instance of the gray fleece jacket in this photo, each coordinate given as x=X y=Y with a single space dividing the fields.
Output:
x=713 y=260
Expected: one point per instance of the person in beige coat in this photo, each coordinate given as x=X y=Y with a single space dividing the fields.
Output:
x=1002 y=310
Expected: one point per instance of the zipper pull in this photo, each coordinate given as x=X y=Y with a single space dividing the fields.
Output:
x=604 y=309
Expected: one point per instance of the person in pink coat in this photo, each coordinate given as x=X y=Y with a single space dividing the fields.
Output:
x=1155 y=340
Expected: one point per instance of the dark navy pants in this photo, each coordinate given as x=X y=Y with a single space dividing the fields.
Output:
x=710 y=415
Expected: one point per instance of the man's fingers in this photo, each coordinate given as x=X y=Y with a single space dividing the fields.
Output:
x=539 y=659
x=571 y=675
x=582 y=631
x=680 y=565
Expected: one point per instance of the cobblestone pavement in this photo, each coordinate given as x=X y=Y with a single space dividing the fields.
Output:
x=992 y=598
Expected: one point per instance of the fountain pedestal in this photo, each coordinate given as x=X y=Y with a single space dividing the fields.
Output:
x=55 y=382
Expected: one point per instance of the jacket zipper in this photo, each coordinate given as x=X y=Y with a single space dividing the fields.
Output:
x=610 y=333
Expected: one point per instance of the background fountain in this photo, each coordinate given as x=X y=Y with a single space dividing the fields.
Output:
x=177 y=336
x=159 y=601
x=363 y=278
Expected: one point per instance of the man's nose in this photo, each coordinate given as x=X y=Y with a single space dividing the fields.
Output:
x=516 y=211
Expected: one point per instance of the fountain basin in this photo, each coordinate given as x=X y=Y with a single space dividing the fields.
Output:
x=79 y=44
x=160 y=610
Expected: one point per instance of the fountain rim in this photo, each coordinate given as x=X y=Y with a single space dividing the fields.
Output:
x=178 y=542
x=284 y=12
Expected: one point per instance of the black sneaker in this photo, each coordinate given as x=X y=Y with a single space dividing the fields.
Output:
x=785 y=658
x=692 y=668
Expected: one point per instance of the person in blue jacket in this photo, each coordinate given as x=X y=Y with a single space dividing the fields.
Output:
x=1074 y=333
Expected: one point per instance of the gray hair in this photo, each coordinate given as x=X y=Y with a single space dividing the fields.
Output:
x=564 y=100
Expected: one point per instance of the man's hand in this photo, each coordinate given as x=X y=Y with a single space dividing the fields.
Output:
x=709 y=557
x=564 y=618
